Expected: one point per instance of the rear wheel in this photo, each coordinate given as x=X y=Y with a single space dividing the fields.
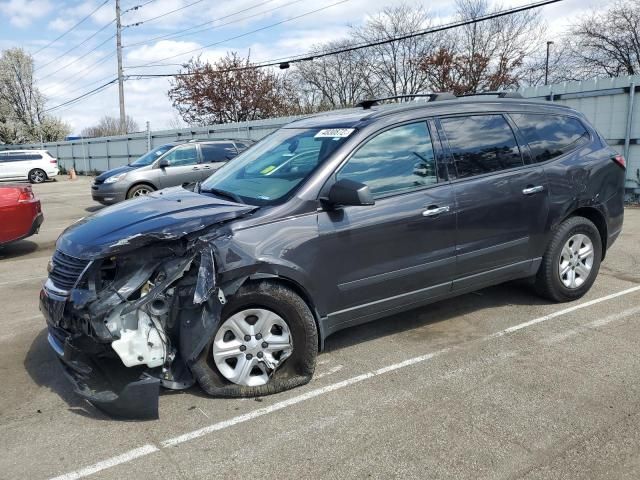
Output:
x=37 y=176
x=267 y=342
x=572 y=260
x=140 y=190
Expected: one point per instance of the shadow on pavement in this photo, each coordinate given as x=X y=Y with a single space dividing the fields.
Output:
x=44 y=368
x=514 y=293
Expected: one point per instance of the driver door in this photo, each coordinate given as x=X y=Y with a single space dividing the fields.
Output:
x=183 y=166
x=401 y=250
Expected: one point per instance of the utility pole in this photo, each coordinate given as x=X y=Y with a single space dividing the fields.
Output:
x=546 y=65
x=123 y=117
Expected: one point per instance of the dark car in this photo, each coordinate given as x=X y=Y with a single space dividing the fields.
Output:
x=335 y=220
x=165 y=166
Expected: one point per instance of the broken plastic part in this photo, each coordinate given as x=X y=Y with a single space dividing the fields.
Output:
x=206 y=283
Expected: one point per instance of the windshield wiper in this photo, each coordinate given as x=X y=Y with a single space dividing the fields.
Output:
x=221 y=193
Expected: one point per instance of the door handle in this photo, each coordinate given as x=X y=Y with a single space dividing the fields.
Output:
x=433 y=211
x=196 y=168
x=532 y=190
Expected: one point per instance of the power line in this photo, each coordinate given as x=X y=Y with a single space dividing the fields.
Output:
x=137 y=7
x=78 y=77
x=163 y=15
x=75 y=46
x=314 y=56
x=84 y=95
x=187 y=31
x=82 y=56
x=72 y=28
x=249 y=33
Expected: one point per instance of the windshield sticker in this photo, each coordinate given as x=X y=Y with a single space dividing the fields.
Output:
x=334 y=133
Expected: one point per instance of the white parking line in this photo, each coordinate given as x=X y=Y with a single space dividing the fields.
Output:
x=172 y=442
x=111 y=462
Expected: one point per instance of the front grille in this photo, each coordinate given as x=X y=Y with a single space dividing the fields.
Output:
x=66 y=270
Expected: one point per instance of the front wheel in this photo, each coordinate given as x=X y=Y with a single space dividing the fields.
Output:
x=267 y=342
x=140 y=190
x=572 y=260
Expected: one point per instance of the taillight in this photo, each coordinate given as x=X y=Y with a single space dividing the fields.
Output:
x=619 y=159
x=53 y=160
x=26 y=196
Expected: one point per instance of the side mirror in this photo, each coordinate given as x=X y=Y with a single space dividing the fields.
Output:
x=348 y=192
x=163 y=163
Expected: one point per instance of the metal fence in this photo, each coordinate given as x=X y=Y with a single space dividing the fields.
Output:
x=611 y=104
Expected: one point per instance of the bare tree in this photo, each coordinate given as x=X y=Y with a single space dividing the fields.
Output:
x=230 y=90
x=335 y=81
x=22 y=115
x=485 y=55
x=393 y=67
x=608 y=43
x=108 y=126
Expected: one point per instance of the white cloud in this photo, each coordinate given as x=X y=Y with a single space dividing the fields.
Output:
x=22 y=12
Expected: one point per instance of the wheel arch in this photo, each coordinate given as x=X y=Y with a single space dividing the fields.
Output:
x=598 y=219
x=138 y=183
x=300 y=290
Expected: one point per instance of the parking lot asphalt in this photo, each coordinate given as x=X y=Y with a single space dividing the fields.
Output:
x=494 y=384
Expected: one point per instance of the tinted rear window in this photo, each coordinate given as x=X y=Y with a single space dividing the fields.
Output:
x=217 y=152
x=550 y=136
x=481 y=144
x=19 y=157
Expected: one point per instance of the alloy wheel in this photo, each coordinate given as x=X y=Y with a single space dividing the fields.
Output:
x=576 y=261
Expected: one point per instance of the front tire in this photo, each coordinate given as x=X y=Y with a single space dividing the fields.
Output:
x=236 y=363
x=571 y=262
x=37 y=176
x=139 y=190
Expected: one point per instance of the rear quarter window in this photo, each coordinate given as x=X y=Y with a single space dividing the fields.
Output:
x=550 y=136
x=481 y=144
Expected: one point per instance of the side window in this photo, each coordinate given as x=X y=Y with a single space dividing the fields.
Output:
x=550 y=136
x=183 y=155
x=397 y=160
x=33 y=156
x=481 y=144
x=217 y=152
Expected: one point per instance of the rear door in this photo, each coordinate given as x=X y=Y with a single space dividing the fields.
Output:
x=502 y=203
x=214 y=155
x=15 y=166
x=400 y=251
x=183 y=166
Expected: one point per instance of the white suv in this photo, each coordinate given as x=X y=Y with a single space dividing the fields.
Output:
x=33 y=165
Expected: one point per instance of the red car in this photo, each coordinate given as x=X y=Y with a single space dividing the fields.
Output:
x=20 y=213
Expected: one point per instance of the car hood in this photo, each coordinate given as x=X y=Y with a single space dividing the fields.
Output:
x=115 y=171
x=163 y=215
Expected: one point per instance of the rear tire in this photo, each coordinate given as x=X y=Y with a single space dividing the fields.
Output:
x=140 y=190
x=297 y=369
x=37 y=176
x=571 y=262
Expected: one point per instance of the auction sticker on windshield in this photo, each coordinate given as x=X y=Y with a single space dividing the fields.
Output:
x=334 y=133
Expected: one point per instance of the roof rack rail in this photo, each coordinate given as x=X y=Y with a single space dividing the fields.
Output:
x=368 y=103
x=499 y=94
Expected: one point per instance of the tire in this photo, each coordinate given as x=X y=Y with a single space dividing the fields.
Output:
x=139 y=190
x=297 y=369
x=37 y=176
x=549 y=282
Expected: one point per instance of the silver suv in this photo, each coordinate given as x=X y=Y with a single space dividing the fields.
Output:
x=165 y=166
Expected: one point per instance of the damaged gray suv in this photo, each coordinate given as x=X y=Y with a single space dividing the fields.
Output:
x=335 y=220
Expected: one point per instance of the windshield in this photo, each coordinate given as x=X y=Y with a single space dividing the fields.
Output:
x=273 y=168
x=151 y=156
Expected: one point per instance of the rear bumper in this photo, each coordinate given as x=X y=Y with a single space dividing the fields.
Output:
x=121 y=392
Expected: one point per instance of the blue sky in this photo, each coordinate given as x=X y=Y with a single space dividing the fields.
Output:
x=32 y=24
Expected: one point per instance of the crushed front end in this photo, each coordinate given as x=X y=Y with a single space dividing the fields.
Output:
x=132 y=297
x=125 y=324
